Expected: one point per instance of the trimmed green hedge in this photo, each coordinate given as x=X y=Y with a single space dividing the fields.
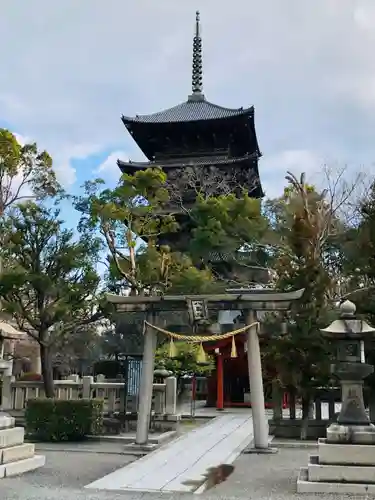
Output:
x=60 y=420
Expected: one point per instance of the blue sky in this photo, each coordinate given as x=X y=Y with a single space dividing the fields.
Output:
x=70 y=69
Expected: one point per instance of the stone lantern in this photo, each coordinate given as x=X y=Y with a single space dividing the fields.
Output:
x=349 y=335
x=345 y=459
x=161 y=372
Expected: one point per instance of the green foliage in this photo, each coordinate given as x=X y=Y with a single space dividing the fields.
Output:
x=187 y=279
x=366 y=243
x=186 y=361
x=359 y=262
x=302 y=226
x=131 y=209
x=25 y=172
x=50 y=281
x=301 y=358
x=49 y=274
x=128 y=216
x=225 y=224
x=59 y=420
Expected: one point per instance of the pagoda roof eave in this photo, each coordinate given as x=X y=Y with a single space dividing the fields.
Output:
x=219 y=160
x=188 y=111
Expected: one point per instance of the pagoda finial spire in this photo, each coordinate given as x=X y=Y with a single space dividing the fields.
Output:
x=197 y=83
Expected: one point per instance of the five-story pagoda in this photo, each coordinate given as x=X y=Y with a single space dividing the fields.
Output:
x=200 y=146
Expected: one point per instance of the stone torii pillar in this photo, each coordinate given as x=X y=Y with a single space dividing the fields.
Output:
x=246 y=300
x=146 y=386
x=260 y=424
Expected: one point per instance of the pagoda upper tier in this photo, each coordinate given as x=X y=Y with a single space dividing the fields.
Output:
x=198 y=133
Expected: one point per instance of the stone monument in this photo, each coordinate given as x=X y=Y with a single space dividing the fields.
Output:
x=345 y=463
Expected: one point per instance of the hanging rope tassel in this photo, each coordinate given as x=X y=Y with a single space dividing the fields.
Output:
x=201 y=356
x=172 y=349
x=233 y=352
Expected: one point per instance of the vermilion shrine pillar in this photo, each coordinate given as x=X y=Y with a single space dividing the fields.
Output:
x=220 y=382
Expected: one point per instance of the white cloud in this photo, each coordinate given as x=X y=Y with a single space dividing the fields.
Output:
x=307 y=66
x=62 y=165
x=62 y=161
x=65 y=173
x=21 y=139
x=109 y=168
x=274 y=169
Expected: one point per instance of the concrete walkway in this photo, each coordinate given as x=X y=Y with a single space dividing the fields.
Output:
x=174 y=467
x=202 y=411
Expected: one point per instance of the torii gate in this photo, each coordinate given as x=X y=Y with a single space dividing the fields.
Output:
x=244 y=300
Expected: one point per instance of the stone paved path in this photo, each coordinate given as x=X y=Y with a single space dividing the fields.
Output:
x=174 y=467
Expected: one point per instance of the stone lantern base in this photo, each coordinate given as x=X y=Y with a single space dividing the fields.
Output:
x=16 y=457
x=340 y=468
x=345 y=463
x=351 y=434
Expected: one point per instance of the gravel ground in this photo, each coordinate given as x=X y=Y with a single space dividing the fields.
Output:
x=273 y=477
x=72 y=470
x=102 y=447
x=255 y=477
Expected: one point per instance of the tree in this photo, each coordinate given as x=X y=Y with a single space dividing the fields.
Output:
x=186 y=361
x=304 y=221
x=360 y=256
x=226 y=226
x=76 y=349
x=25 y=172
x=50 y=282
x=125 y=338
x=130 y=218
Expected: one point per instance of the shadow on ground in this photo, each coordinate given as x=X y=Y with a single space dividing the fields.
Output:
x=258 y=477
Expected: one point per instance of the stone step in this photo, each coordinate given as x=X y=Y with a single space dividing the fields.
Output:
x=341 y=473
x=21 y=466
x=15 y=453
x=364 y=489
x=345 y=454
x=11 y=437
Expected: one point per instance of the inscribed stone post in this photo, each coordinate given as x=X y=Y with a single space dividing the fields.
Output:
x=171 y=395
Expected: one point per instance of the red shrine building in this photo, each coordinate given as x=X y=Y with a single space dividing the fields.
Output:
x=203 y=138
x=228 y=384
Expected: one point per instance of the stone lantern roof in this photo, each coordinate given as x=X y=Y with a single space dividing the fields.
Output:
x=348 y=326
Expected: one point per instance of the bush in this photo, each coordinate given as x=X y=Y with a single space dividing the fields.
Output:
x=59 y=420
